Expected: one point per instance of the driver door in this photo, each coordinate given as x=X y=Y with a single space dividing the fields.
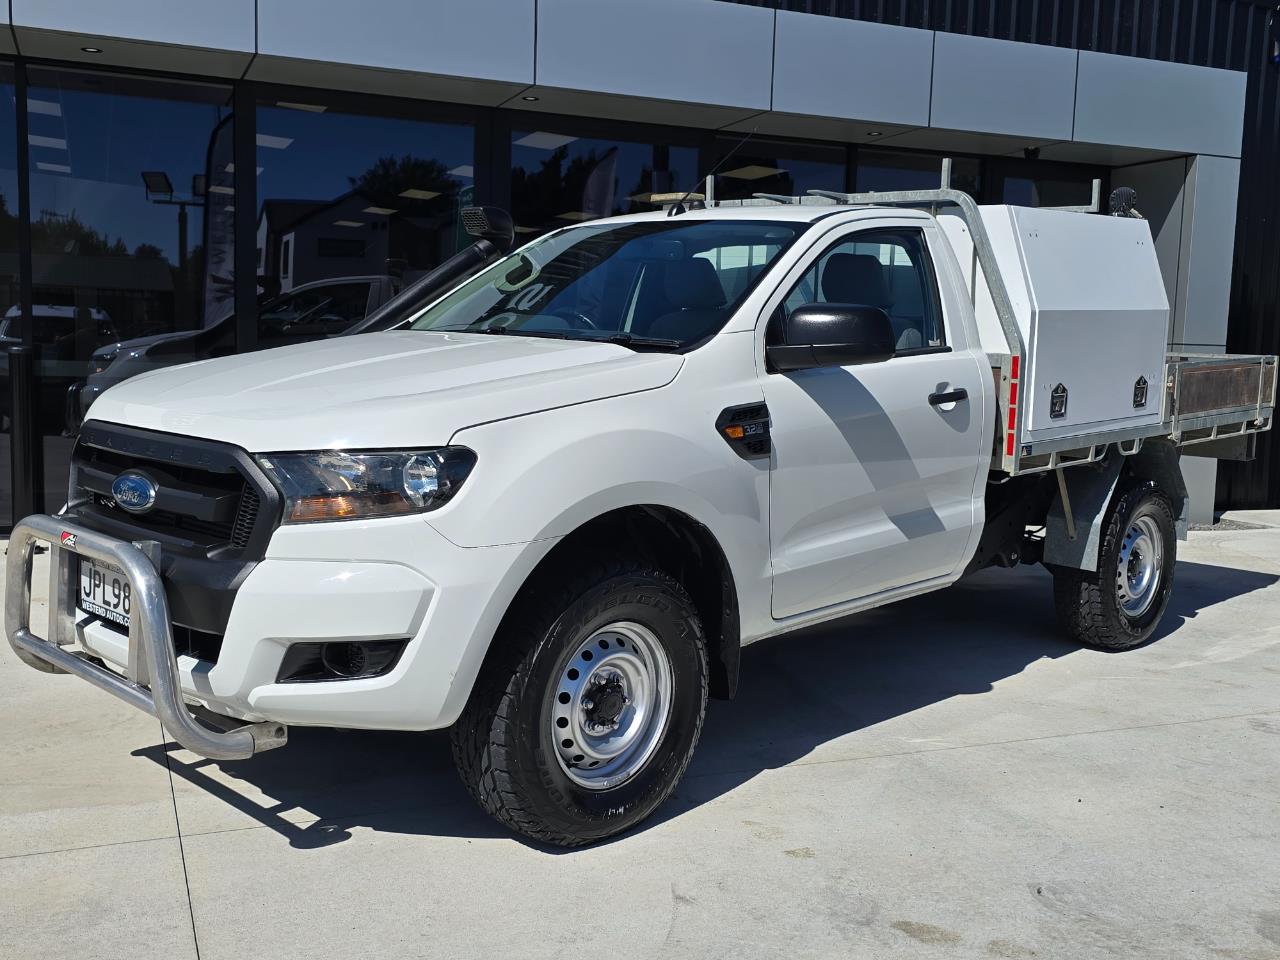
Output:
x=874 y=482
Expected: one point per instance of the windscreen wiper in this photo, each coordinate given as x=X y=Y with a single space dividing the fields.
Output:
x=624 y=339
x=509 y=331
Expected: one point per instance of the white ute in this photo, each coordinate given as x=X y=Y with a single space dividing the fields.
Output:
x=549 y=506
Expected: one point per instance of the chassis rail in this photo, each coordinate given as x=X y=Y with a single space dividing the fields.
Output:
x=152 y=681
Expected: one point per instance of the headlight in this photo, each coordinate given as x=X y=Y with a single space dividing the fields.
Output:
x=334 y=485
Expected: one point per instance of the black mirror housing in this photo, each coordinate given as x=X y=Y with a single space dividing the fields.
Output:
x=490 y=223
x=832 y=335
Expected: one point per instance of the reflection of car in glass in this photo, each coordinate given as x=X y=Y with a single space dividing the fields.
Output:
x=64 y=336
x=312 y=311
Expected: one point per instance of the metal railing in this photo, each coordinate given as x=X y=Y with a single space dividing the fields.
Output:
x=151 y=681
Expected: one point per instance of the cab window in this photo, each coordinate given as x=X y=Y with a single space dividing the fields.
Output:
x=886 y=269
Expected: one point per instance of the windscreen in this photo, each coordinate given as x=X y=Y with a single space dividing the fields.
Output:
x=661 y=283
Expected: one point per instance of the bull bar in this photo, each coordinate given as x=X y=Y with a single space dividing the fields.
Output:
x=151 y=682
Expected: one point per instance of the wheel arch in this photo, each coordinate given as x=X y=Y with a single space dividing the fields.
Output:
x=679 y=545
x=1093 y=488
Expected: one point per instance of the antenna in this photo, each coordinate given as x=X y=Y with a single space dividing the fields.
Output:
x=679 y=207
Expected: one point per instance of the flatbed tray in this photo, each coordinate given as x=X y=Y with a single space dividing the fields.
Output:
x=1206 y=397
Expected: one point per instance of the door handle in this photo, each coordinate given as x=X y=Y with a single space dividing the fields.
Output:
x=951 y=396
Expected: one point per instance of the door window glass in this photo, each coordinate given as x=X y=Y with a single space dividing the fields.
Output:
x=889 y=270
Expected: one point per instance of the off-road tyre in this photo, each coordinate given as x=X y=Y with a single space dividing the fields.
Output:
x=502 y=743
x=1088 y=604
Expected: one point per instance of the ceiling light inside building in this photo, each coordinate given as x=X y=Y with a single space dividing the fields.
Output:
x=415 y=194
x=53 y=143
x=308 y=107
x=45 y=107
x=541 y=140
x=753 y=171
x=380 y=211
x=347 y=223
x=91 y=49
x=530 y=98
x=52 y=167
x=274 y=143
x=219 y=188
x=466 y=171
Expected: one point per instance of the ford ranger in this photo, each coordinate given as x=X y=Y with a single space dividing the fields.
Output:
x=549 y=506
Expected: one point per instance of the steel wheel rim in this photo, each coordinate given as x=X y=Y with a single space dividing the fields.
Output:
x=622 y=667
x=1140 y=567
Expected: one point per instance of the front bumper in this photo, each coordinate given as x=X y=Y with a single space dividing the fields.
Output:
x=317 y=582
x=151 y=680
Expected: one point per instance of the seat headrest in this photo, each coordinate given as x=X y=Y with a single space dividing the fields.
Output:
x=693 y=284
x=855 y=278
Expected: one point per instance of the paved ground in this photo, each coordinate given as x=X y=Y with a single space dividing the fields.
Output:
x=945 y=778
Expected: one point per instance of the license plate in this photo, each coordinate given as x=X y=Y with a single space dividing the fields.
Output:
x=104 y=592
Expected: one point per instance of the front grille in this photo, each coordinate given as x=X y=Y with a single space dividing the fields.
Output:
x=213 y=515
x=209 y=496
x=209 y=533
x=246 y=517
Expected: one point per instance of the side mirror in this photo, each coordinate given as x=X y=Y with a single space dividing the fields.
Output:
x=831 y=335
x=490 y=223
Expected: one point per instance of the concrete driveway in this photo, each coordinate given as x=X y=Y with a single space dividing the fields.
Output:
x=942 y=778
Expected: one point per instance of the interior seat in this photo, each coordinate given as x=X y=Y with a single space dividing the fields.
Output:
x=693 y=288
x=860 y=278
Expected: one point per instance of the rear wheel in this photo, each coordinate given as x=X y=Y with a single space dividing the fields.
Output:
x=1121 y=605
x=589 y=707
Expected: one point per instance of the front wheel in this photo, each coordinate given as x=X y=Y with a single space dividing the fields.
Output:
x=589 y=707
x=1120 y=605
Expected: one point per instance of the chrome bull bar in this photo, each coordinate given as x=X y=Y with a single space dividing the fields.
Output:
x=151 y=682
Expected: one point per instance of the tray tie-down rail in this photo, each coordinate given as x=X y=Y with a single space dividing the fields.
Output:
x=151 y=682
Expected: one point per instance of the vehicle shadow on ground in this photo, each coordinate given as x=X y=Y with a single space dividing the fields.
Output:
x=798 y=692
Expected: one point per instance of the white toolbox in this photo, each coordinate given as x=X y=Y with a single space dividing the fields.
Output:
x=1090 y=302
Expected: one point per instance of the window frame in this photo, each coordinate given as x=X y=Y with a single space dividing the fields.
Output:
x=925 y=268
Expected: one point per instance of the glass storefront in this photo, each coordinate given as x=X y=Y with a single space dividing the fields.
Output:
x=134 y=183
x=351 y=208
x=10 y=320
x=778 y=167
x=131 y=238
x=884 y=170
x=558 y=178
x=1035 y=183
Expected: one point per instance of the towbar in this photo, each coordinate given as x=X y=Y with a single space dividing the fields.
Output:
x=152 y=682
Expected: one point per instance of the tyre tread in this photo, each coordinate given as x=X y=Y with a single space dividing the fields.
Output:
x=1079 y=595
x=486 y=730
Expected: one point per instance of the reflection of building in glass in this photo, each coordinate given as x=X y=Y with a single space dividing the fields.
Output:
x=302 y=241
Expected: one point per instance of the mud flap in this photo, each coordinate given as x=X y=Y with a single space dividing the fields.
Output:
x=1089 y=488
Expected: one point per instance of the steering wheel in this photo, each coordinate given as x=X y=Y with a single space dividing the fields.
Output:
x=577 y=320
